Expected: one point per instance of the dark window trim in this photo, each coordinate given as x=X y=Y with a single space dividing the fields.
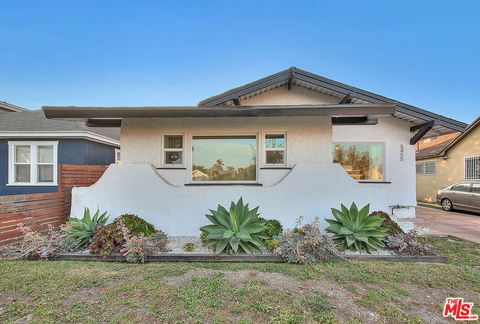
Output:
x=171 y=168
x=276 y=168
x=223 y=184
x=374 y=182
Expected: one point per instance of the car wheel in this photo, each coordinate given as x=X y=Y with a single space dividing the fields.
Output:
x=447 y=204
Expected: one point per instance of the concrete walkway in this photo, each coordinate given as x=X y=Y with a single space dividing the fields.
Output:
x=442 y=223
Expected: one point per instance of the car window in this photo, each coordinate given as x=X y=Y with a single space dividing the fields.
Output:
x=465 y=187
x=476 y=188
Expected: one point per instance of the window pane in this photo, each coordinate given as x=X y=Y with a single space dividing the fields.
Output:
x=275 y=157
x=465 y=187
x=173 y=158
x=45 y=154
x=22 y=173
x=173 y=141
x=45 y=173
x=274 y=141
x=224 y=158
x=22 y=154
x=361 y=161
x=476 y=188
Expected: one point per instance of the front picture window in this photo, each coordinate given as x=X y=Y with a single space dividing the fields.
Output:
x=224 y=158
x=173 y=149
x=362 y=161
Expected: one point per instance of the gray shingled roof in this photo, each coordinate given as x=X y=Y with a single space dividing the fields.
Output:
x=35 y=121
x=432 y=151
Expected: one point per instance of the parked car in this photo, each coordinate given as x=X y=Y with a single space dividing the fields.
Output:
x=464 y=195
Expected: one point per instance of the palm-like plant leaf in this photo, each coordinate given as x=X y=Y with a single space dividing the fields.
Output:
x=82 y=229
x=235 y=230
x=356 y=229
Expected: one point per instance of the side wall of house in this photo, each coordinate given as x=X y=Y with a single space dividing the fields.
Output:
x=70 y=151
x=449 y=170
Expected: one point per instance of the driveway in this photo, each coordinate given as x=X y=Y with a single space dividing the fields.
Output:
x=459 y=224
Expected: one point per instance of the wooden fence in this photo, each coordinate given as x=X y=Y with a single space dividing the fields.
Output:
x=37 y=211
x=72 y=175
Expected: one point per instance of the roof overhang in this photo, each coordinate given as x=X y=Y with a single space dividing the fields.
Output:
x=60 y=135
x=112 y=116
x=343 y=92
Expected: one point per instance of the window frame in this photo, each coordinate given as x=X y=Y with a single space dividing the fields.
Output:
x=474 y=172
x=118 y=156
x=224 y=134
x=33 y=163
x=384 y=160
x=265 y=149
x=423 y=169
x=164 y=150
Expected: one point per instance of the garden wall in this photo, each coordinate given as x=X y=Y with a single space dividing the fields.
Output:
x=38 y=211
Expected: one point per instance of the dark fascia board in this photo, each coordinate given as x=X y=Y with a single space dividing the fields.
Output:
x=91 y=114
x=342 y=88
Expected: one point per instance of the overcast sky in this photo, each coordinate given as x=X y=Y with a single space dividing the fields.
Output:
x=424 y=53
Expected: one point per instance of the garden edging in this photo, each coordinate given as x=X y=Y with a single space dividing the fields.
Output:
x=196 y=257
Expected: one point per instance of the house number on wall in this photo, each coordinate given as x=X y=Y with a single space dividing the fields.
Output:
x=401 y=152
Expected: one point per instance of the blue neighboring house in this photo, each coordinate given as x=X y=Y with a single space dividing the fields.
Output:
x=32 y=147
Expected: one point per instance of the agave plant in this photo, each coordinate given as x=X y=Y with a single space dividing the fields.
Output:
x=238 y=229
x=82 y=229
x=356 y=229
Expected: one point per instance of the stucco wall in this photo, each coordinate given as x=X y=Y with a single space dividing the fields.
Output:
x=449 y=170
x=309 y=190
x=308 y=141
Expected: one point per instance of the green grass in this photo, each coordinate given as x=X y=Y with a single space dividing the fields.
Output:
x=91 y=292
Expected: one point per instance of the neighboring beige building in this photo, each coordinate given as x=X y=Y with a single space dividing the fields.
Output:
x=448 y=162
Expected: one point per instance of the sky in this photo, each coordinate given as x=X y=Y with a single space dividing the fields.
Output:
x=134 y=53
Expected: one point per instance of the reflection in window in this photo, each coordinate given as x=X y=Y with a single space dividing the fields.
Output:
x=173 y=149
x=361 y=161
x=275 y=149
x=224 y=158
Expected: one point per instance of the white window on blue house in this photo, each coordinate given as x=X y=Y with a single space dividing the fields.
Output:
x=32 y=163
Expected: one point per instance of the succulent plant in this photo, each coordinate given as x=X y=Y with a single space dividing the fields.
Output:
x=82 y=229
x=357 y=230
x=236 y=230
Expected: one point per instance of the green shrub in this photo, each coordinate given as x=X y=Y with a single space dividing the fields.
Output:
x=137 y=225
x=188 y=247
x=81 y=230
x=356 y=229
x=274 y=228
x=388 y=223
x=305 y=244
x=203 y=237
x=107 y=240
x=157 y=242
x=236 y=230
x=271 y=245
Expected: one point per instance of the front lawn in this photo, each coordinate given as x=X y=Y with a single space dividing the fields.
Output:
x=82 y=292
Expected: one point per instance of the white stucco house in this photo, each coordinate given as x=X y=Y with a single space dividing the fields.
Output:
x=294 y=143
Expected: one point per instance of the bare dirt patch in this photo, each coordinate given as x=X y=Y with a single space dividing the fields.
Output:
x=344 y=303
